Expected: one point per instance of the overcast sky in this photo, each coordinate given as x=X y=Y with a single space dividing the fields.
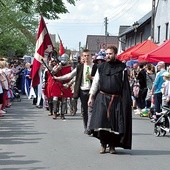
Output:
x=87 y=18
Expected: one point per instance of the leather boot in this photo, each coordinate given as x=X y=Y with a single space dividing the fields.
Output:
x=55 y=116
x=112 y=150
x=103 y=149
x=62 y=116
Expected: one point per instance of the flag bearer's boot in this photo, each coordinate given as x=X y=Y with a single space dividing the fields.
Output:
x=55 y=116
x=55 y=105
x=62 y=117
x=50 y=105
x=74 y=106
x=63 y=108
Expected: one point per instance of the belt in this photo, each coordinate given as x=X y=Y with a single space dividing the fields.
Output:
x=111 y=101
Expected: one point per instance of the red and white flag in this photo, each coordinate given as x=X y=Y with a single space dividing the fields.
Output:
x=43 y=44
x=61 y=47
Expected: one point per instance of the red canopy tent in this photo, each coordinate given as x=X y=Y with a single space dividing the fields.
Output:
x=127 y=52
x=161 y=53
x=138 y=50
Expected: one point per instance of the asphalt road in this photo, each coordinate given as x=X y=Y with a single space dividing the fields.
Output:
x=31 y=140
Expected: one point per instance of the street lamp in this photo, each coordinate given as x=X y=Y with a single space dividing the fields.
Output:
x=135 y=27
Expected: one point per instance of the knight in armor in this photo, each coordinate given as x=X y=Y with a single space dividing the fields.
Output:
x=59 y=91
x=111 y=120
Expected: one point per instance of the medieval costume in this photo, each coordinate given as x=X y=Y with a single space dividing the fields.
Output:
x=55 y=91
x=111 y=116
x=27 y=81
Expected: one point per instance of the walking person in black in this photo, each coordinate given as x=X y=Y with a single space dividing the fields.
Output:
x=111 y=120
x=141 y=77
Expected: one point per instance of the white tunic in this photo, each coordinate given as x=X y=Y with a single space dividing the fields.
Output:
x=95 y=84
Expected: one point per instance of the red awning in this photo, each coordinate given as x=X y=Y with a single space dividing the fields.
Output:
x=138 y=50
x=161 y=53
x=127 y=52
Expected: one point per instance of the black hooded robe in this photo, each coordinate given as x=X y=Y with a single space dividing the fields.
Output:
x=114 y=128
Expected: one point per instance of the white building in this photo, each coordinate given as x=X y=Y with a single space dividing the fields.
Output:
x=161 y=22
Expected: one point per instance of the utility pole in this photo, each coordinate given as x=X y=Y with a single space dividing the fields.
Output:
x=106 y=33
x=153 y=19
x=105 y=25
x=79 y=46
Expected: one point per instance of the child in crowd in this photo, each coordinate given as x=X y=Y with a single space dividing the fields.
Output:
x=166 y=89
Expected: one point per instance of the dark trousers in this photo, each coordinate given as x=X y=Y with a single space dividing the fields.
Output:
x=141 y=99
x=36 y=93
x=50 y=105
x=158 y=102
x=73 y=105
x=84 y=96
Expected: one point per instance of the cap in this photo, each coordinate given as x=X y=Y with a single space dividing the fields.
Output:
x=100 y=57
x=160 y=63
x=166 y=74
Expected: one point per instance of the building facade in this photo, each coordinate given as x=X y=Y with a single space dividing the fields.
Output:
x=136 y=33
x=161 y=21
x=95 y=42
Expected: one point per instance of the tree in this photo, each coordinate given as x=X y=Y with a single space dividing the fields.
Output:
x=19 y=21
x=17 y=29
x=47 y=8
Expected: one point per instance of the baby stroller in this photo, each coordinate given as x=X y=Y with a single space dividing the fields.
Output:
x=16 y=94
x=162 y=124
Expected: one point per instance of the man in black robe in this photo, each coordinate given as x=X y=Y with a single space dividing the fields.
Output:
x=111 y=120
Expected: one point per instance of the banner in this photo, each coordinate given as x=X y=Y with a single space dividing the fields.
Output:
x=43 y=44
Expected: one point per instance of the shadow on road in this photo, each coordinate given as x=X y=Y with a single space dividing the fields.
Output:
x=17 y=127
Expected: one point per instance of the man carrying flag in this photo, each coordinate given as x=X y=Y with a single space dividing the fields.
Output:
x=43 y=44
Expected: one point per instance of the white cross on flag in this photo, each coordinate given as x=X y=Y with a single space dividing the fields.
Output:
x=43 y=44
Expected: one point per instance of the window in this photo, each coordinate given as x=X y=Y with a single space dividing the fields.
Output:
x=159 y=29
x=166 y=32
x=130 y=41
x=141 y=36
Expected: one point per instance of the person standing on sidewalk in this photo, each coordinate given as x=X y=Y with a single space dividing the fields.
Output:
x=156 y=89
x=1 y=95
x=111 y=120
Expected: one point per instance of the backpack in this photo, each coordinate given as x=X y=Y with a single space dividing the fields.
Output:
x=136 y=88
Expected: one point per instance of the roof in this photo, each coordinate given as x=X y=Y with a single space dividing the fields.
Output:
x=141 y=22
x=122 y=28
x=95 y=42
x=161 y=53
x=135 y=51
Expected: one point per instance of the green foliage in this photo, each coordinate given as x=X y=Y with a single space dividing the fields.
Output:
x=19 y=23
x=47 y=8
x=14 y=43
x=17 y=30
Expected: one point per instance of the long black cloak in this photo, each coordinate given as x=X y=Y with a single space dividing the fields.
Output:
x=113 y=79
